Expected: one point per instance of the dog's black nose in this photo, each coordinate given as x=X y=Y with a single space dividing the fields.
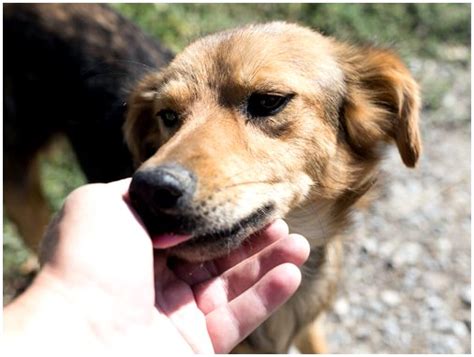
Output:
x=163 y=189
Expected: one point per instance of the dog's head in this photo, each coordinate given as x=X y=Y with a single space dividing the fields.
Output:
x=246 y=125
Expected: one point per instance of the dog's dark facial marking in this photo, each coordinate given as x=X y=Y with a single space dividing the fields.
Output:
x=149 y=149
x=277 y=130
x=169 y=117
x=265 y=104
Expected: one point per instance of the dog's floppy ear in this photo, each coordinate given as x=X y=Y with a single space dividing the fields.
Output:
x=381 y=103
x=140 y=128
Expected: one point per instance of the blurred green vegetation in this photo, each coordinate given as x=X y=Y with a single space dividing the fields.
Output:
x=411 y=28
x=421 y=29
x=60 y=165
x=60 y=175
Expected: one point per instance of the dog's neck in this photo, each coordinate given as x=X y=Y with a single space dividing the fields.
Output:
x=316 y=221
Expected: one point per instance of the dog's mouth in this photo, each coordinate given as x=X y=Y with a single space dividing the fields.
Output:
x=252 y=221
x=191 y=241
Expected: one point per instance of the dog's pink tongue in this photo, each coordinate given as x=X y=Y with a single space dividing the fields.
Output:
x=168 y=240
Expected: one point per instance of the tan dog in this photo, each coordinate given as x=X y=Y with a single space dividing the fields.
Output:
x=262 y=122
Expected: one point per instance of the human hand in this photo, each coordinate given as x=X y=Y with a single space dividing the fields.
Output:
x=103 y=287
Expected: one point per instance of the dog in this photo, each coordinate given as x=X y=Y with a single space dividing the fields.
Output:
x=262 y=122
x=68 y=70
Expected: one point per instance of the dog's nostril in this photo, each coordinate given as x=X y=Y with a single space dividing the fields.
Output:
x=167 y=195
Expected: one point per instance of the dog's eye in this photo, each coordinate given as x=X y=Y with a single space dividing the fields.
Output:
x=263 y=105
x=169 y=117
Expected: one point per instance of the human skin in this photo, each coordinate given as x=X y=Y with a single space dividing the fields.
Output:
x=103 y=288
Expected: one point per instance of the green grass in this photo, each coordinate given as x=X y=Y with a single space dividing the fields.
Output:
x=60 y=175
x=412 y=28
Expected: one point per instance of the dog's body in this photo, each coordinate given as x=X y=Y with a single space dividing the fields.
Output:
x=262 y=122
x=68 y=69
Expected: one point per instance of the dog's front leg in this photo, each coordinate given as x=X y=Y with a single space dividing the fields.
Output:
x=312 y=338
x=296 y=321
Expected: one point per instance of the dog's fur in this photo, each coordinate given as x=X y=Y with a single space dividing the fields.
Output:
x=68 y=69
x=310 y=163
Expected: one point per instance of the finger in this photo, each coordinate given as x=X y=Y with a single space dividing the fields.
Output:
x=194 y=273
x=175 y=299
x=276 y=230
x=220 y=290
x=245 y=313
x=121 y=187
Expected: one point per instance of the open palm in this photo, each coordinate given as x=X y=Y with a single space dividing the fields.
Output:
x=100 y=257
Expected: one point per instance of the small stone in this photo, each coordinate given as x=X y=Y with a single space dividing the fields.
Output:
x=293 y=350
x=391 y=328
x=341 y=307
x=362 y=332
x=405 y=338
x=444 y=246
x=434 y=302
x=443 y=325
x=465 y=295
x=459 y=329
x=370 y=246
x=445 y=344
x=339 y=338
x=453 y=345
x=448 y=326
x=418 y=293
x=411 y=279
x=390 y=297
x=467 y=323
x=407 y=254
x=386 y=249
x=355 y=299
x=438 y=281
x=376 y=307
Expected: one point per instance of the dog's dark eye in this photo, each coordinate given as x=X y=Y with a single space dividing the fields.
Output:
x=263 y=105
x=169 y=117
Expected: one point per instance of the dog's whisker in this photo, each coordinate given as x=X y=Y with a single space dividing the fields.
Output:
x=239 y=184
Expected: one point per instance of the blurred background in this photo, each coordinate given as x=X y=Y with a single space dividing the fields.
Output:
x=406 y=286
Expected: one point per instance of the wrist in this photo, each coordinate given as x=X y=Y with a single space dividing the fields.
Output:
x=43 y=317
x=50 y=316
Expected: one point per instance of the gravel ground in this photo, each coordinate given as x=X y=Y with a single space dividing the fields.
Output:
x=406 y=286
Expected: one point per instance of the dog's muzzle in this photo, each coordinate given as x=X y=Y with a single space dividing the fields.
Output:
x=162 y=193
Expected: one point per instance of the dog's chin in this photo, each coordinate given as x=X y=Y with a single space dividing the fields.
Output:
x=200 y=250
x=220 y=242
